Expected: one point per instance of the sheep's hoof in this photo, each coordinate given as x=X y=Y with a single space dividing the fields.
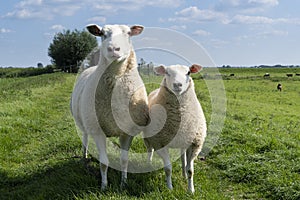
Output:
x=123 y=184
x=191 y=191
x=170 y=187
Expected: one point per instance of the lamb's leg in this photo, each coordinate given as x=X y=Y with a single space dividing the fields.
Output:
x=191 y=154
x=164 y=154
x=125 y=142
x=85 y=141
x=183 y=163
x=100 y=141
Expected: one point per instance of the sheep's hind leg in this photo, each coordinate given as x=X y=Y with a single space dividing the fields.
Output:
x=183 y=163
x=100 y=141
x=85 y=142
x=164 y=154
x=150 y=150
x=125 y=142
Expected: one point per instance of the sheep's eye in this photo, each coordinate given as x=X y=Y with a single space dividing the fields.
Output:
x=167 y=73
x=129 y=32
x=189 y=72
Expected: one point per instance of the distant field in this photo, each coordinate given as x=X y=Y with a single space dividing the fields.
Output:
x=256 y=157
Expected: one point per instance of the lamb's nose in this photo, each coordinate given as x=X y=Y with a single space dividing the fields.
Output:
x=177 y=85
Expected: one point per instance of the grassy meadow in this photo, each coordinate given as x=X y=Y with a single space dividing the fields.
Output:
x=256 y=157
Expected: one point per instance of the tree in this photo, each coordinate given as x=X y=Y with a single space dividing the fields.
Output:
x=69 y=48
x=40 y=65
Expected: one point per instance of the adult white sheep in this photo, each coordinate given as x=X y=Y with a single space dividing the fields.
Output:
x=185 y=125
x=109 y=90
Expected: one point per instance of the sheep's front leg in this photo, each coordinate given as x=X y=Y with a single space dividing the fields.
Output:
x=125 y=142
x=164 y=154
x=100 y=141
x=191 y=154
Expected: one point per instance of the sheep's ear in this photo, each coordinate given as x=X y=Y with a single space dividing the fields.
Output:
x=160 y=70
x=94 y=29
x=136 y=30
x=195 y=68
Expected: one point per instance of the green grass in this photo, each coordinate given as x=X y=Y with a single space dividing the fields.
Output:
x=256 y=157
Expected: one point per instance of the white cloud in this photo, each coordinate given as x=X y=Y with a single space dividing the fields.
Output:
x=274 y=33
x=264 y=35
x=65 y=10
x=40 y=9
x=178 y=27
x=109 y=6
x=193 y=14
x=246 y=19
x=24 y=14
x=29 y=3
x=28 y=9
x=57 y=27
x=201 y=33
x=97 y=20
x=4 y=30
x=264 y=2
x=217 y=43
x=245 y=6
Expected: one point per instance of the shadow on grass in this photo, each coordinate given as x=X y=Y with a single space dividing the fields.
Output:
x=69 y=179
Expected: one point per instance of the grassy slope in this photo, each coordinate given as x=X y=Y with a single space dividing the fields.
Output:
x=260 y=147
x=257 y=155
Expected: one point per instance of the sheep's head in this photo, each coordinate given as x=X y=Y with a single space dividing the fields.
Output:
x=116 y=43
x=177 y=77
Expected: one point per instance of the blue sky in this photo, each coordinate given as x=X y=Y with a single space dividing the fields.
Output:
x=233 y=32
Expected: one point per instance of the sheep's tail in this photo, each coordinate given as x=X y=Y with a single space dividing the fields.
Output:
x=150 y=154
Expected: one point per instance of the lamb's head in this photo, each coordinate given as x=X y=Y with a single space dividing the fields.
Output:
x=177 y=77
x=116 y=43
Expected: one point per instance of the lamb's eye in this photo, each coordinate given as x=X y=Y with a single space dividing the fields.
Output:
x=189 y=72
x=129 y=32
x=104 y=36
x=167 y=73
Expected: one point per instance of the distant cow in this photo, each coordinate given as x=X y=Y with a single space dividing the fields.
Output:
x=289 y=75
x=279 y=87
x=266 y=75
x=231 y=75
x=297 y=74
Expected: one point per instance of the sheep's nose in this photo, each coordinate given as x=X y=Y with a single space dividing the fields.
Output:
x=111 y=48
x=177 y=85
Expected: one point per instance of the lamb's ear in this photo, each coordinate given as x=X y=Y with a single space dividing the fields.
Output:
x=195 y=68
x=160 y=70
x=136 y=30
x=95 y=29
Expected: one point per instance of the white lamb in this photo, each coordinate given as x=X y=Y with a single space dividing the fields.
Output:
x=105 y=95
x=184 y=126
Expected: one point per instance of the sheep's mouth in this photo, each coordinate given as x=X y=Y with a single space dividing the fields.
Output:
x=177 y=91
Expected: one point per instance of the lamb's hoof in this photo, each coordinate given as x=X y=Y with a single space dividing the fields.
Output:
x=191 y=190
x=103 y=187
